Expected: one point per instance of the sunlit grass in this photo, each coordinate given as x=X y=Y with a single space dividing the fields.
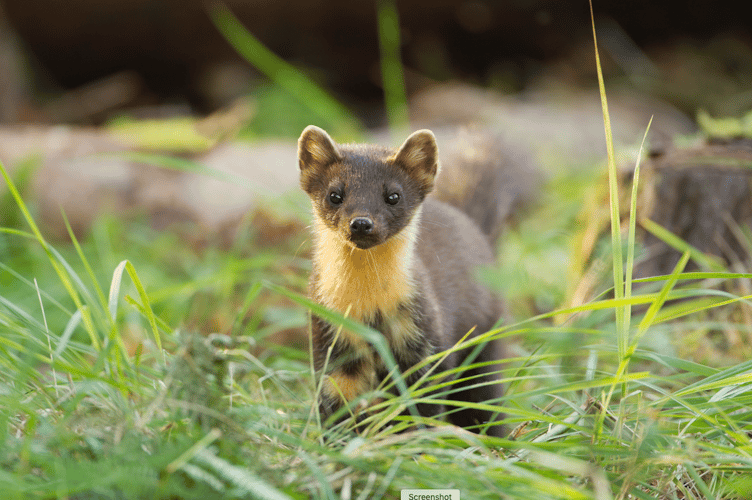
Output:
x=217 y=414
x=664 y=416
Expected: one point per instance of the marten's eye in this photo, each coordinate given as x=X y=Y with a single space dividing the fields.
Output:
x=393 y=198
x=335 y=198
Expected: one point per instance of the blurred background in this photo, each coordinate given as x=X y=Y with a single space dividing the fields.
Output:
x=88 y=61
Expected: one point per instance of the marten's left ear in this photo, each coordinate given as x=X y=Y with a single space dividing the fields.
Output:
x=419 y=156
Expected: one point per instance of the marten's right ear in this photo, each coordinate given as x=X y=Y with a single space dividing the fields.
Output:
x=419 y=156
x=316 y=150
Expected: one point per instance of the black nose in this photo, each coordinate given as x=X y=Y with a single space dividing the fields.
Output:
x=361 y=225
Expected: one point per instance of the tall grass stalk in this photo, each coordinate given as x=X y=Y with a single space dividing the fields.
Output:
x=62 y=270
x=622 y=313
x=631 y=238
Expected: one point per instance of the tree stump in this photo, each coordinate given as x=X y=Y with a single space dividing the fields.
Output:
x=704 y=196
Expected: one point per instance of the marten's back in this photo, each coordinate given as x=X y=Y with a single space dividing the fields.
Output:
x=486 y=177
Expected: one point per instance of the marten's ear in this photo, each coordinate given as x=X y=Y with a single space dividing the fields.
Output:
x=316 y=149
x=419 y=156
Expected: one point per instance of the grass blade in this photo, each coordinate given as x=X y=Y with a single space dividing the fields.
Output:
x=117 y=279
x=85 y=262
x=147 y=310
x=73 y=322
x=392 y=77
x=194 y=450
x=656 y=306
x=341 y=121
x=632 y=228
x=711 y=263
x=616 y=249
x=241 y=478
x=58 y=263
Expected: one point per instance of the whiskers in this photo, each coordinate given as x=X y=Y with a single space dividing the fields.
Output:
x=302 y=244
x=435 y=223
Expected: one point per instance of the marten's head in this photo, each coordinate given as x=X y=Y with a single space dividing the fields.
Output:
x=366 y=194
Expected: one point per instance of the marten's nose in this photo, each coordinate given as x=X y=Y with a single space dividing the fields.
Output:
x=361 y=225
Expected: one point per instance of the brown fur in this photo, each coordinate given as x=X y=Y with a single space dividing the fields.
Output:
x=388 y=257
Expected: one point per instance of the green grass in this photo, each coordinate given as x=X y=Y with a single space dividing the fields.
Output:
x=140 y=364
x=76 y=398
x=111 y=389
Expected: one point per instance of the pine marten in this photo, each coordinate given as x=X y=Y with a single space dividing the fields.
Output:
x=401 y=262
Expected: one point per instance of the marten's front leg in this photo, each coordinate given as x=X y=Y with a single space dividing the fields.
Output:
x=347 y=368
